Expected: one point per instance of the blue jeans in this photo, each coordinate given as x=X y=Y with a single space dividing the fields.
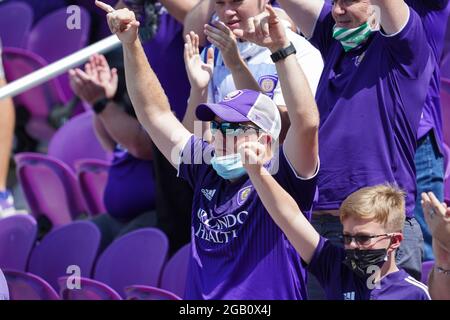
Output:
x=330 y=227
x=409 y=254
x=429 y=177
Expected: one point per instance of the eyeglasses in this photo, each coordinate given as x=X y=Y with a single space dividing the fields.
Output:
x=230 y=128
x=362 y=239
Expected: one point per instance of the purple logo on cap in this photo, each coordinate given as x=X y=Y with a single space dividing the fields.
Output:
x=233 y=95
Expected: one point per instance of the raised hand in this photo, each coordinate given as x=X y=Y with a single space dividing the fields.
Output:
x=97 y=81
x=252 y=155
x=266 y=30
x=437 y=216
x=223 y=38
x=122 y=22
x=199 y=73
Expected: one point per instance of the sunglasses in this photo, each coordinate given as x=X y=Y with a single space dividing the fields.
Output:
x=362 y=239
x=230 y=128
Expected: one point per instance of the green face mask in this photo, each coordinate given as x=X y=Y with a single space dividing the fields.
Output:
x=352 y=38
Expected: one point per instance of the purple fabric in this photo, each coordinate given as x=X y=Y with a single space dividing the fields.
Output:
x=434 y=15
x=234 y=109
x=238 y=252
x=130 y=189
x=370 y=102
x=340 y=283
x=165 y=54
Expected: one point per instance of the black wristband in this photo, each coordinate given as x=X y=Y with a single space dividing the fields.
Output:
x=283 y=53
x=100 y=105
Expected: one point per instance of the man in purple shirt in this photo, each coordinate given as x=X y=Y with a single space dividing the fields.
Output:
x=429 y=157
x=370 y=100
x=237 y=251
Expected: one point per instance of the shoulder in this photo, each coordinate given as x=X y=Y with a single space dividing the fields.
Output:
x=416 y=289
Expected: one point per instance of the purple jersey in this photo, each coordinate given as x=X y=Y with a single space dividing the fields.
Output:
x=130 y=189
x=434 y=15
x=370 y=102
x=238 y=252
x=340 y=283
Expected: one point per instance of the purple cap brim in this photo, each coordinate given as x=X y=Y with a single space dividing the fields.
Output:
x=207 y=112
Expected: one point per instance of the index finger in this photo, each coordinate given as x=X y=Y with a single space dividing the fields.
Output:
x=104 y=6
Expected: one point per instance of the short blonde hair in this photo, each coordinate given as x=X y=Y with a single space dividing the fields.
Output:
x=383 y=203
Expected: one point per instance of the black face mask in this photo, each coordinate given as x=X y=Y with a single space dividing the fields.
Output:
x=360 y=260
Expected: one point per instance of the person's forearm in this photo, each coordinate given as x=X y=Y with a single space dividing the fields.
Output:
x=286 y=214
x=393 y=14
x=304 y=13
x=197 y=18
x=190 y=121
x=300 y=102
x=103 y=136
x=126 y=131
x=7 y=124
x=243 y=78
x=145 y=91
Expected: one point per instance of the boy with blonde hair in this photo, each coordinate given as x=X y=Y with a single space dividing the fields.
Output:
x=373 y=219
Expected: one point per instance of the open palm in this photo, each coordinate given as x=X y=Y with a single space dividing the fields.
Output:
x=199 y=73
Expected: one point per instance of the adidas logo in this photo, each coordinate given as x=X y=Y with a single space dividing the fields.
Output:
x=209 y=194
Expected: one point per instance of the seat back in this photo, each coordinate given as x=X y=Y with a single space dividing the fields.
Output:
x=50 y=187
x=136 y=258
x=16 y=19
x=175 y=271
x=27 y=286
x=17 y=236
x=74 y=245
x=64 y=147
x=89 y=290
x=92 y=178
x=149 y=293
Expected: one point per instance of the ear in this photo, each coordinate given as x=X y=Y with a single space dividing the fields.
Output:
x=396 y=240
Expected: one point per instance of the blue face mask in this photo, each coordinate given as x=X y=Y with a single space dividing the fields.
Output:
x=229 y=167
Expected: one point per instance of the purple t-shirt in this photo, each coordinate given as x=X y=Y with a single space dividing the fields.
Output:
x=434 y=15
x=165 y=54
x=340 y=283
x=370 y=102
x=238 y=252
x=130 y=189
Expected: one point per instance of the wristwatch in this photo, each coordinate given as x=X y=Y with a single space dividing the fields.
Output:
x=100 y=105
x=283 y=53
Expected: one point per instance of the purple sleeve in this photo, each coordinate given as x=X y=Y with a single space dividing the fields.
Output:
x=408 y=49
x=192 y=160
x=326 y=262
x=322 y=37
x=302 y=190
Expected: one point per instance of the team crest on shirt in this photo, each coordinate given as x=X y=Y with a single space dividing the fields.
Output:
x=243 y=195
x=359 y=59
x=268 y=84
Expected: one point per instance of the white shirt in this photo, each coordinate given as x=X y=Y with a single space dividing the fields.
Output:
x=264 y=70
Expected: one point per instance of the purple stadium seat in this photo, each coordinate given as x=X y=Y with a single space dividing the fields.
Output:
x=175 y=271
x=149 y=293
x=27 y=286
x=92 y=178
x=4 y=291
x=17 y=236
x=52 y=39
x=64 y=147
x=137 y=258
x=426 y=268
x=50 y=187
x=73 y=244
x=16 y=19
x=39 y=101
x=90 y=290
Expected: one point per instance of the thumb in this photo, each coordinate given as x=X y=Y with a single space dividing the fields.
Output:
x=210 y=56
x=273 y=17
x=239 y=33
